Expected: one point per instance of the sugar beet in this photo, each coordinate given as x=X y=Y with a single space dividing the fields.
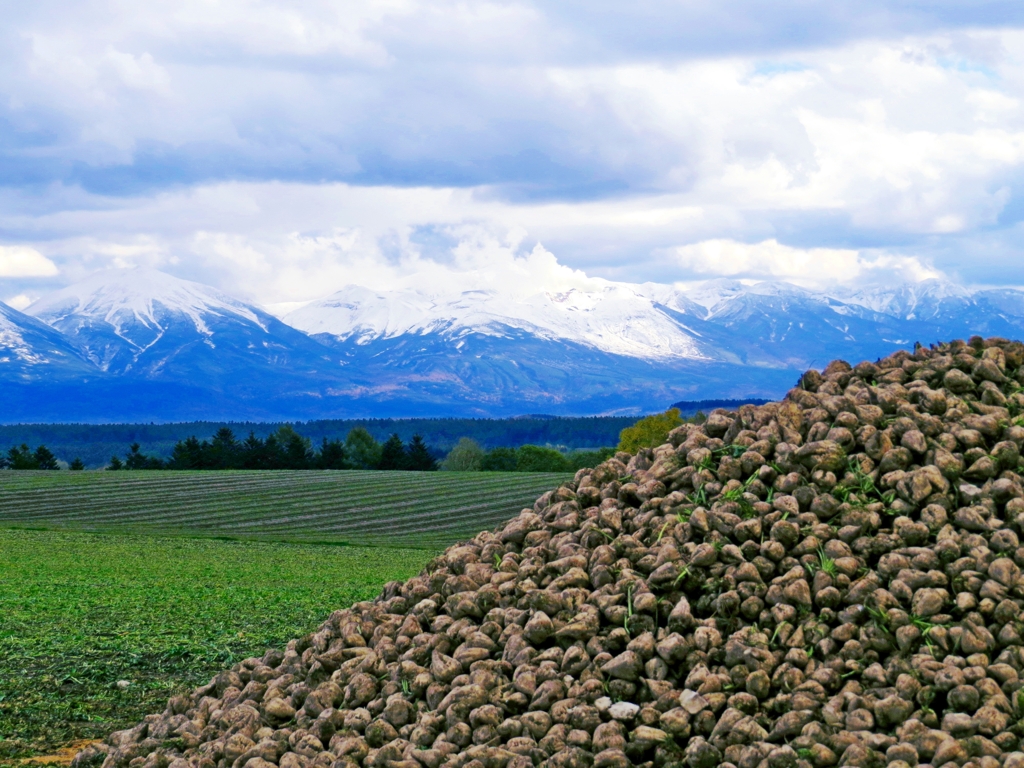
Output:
x=833 y=579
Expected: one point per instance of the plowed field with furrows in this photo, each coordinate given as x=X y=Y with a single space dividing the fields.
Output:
x=416 y=509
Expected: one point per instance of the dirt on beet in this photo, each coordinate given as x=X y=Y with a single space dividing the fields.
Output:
x=833 y=579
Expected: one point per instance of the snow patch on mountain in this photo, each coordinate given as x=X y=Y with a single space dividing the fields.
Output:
x=712 y=294
x=13 y=344
x=612 y=317
x=909 y=301
x=128 y=298
x=33 y=351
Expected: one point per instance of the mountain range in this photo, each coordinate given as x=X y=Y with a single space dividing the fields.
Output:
x=142 y=345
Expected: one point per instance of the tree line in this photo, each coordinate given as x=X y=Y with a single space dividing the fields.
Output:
x=468 y=456
x=95 y=443
x=285 y=448
x=23 y=457
x=650 y=431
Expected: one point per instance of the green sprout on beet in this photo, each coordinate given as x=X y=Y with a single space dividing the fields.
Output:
x=730 y=450
x=683 y=574
x=827 y=564
x=880 y=620
x=735 y=494
x=663 y=529
x=862 y=489
x=927 y=697
x=923 y=624
x=699 y=497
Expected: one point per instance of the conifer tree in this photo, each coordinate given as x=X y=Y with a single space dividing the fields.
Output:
x=331 y=455
x=21 y=458
x=392 y=454
x=253 y=453
x=136 y=459
x=44 y=459
x=418 y=458
x=273 y=454
x=295 y=451
x=187 y=454
x=223 y=449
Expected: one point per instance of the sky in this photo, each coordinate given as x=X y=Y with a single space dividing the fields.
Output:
x=281 y=151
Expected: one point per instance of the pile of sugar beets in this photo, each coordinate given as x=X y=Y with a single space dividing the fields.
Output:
x=834 y=579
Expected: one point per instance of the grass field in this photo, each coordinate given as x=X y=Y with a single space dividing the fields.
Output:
x=408 y=509
x=80 y=612
x=163 y=578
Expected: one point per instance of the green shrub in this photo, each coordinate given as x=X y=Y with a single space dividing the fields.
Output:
x=650 y=431
x=466 y=456
x=533 y=458
x=589 y=459
x=499 y=460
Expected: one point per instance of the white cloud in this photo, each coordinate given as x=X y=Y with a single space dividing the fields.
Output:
x=292 y=243
x=20 y=301
x=396 y=118
x=811 y=267
x=22 y=261
x=298 y=268
x=452 y=94
x=139 y=72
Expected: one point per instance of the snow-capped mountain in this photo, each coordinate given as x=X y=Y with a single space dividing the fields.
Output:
x=924 y=301
x=614 y=319
x=775 y=324
x=140 y=344
x=31 y=350
x=483 y=352
x=148 y=324
x=950 y=308
x=768 y=324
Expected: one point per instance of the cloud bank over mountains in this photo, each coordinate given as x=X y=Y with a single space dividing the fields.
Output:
x=282 y=151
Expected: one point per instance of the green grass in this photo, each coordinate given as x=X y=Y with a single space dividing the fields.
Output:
x=165 y=578
x=407 y=509
x=80 y=611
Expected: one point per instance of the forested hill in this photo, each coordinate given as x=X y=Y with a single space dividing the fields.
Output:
x=96 y=443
